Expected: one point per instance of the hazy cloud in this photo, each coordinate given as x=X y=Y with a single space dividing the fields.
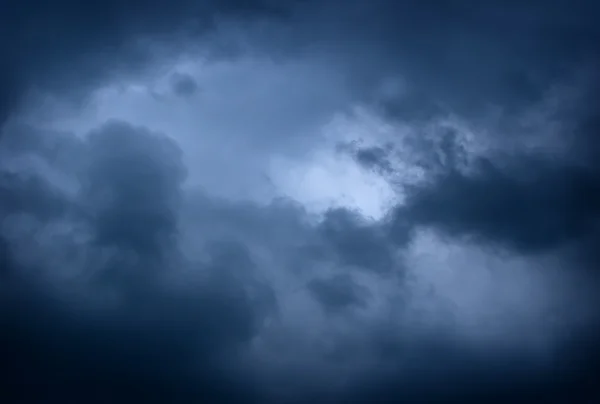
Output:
x=158 y=239
x=184 y=85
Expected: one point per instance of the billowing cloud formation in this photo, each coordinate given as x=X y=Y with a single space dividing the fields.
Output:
x=539 y=208
x=134 y=195
x=53 y=44
x=129 y=210
x=158 y=241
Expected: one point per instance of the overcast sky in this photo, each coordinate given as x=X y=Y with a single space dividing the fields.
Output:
x=299 y=201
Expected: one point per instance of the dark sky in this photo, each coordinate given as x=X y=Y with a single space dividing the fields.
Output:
x=299 y=201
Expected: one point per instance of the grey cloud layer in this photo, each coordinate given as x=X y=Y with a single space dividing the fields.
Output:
x=450 y=52
x=118 y=284
x=54 y=44
x=134 y=217
x=201 y=327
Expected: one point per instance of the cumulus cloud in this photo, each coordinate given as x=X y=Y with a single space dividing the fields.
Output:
x=158 y=168
x=128 y=210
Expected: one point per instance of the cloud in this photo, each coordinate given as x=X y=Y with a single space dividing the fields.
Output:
x=531 y=198
x=90 y=44
x=446 y=55
x=142 y=259
x=120 y=346
x=133 y=184
x=122 y=353
x=338 y=292
x=534 y=207
x=358 y=243
x=184 y=85
x=160 y=292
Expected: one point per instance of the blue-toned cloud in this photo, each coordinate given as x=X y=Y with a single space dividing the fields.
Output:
x=298 y=201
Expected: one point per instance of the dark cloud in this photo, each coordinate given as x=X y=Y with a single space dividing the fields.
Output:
x=69 y=47
x=7 y=94
x=527 y=200
x=373 y=157
x=178 y=332
x=471 y=56
x=457 y=54
x=184 y=85
x=338 y=292
x=156 y=342
x=534 y=207
x=32 y=195
x=472 y=377
x=120 y=284
x=354 y=241
x=160 y=345
x=5 y=259
x=133 y=186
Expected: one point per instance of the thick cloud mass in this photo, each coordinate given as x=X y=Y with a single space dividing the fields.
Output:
x=133 y=183
x=159 y=235
x=532 y=208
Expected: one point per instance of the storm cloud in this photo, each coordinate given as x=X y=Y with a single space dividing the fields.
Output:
x=299 y=201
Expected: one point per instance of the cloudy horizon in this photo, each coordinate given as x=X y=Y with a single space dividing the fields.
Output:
x=299 y=201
